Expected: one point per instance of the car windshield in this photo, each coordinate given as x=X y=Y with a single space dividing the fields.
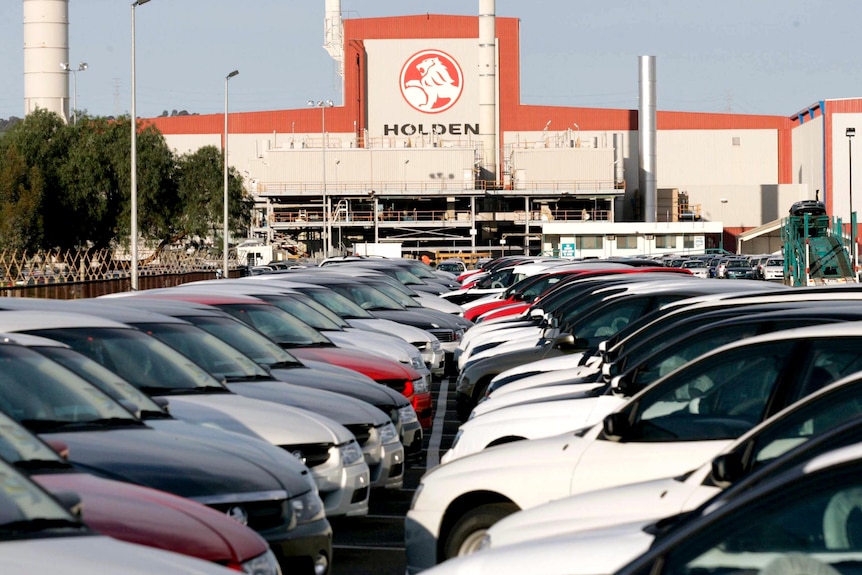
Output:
x=301 y=311
x=143 y=361
x=396 y=294
x=343 y=306
x=246 y=339
x=277 y=324
x=100 y=376
x=25 y=509
x=42 y=394
x=368 y=297
x=206 y=350
x=17 y=444
x=775 y=262
x=694 y=264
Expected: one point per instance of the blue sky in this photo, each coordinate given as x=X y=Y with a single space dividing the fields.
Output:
x=749 y=57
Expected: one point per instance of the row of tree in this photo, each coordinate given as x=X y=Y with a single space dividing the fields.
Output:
x=68 y=187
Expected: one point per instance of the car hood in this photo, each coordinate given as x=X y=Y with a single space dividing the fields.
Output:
x=640 y=503
x=91 y=554
x=534 y=395
x=361 y=387
x=551 y=364
x=164 y=461
x=157 y=519
x=341 y=408
x=374 y=342
x=425 y=319
x=406 y=332
x=376 y=367
x=277 y=424
x=587 y=553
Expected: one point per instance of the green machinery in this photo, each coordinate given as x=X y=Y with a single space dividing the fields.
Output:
x=814 y=250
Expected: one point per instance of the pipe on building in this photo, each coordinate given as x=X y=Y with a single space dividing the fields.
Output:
x=333 y=34
x=488 y=86
x=647 y=138
x=46 y=46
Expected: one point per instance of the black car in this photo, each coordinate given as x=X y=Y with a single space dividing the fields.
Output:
x=811 y=207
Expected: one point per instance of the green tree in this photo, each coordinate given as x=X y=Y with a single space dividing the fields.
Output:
x=20 y=202
x=200 y=189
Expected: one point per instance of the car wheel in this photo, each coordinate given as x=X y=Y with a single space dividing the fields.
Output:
x=468 y=532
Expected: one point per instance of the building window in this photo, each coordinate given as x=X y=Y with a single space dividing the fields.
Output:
x=665 y=242
x=589 y=242
x=688 y=242
x=735 y=141
x=627 y=242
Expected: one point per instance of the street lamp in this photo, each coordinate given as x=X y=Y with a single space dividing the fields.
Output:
x=134 y=175
x=578 y=138
x=850 y=132
x=323 y=105
x=225 y=229
x=81 y=67
x=721 y=218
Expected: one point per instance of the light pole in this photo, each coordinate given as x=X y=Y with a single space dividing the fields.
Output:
x=323 y=105
x=225 y=226
x=721 y=217
x=850 y=132
x=578 y=137
x=74 y=72
x=133 y=236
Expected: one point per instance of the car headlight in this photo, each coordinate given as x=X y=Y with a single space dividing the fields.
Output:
x=458 y=435
x=265 y=564
x=307 y=508
x=417 y=362
x=351 y=454
x=435 y=344
x=485 y=543
x=459 y=334
x=388 y=433
x=420 y=386
x=407 y=414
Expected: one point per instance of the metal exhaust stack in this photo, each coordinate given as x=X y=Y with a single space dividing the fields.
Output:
x=488 y=88
x=647 y=138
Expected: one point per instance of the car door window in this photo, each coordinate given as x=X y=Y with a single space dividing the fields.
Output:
x=718 y=398
x=604 y=324
x=829 y=360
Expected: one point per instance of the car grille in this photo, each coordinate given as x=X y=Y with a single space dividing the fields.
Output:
x=311 y=454
x=362 y=431
x=262 y=515
x=444 y=335
x=396 y=384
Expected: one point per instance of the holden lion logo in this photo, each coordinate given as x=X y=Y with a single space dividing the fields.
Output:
x=431 y=81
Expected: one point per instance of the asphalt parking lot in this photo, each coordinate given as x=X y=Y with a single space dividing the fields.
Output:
x=375 y=543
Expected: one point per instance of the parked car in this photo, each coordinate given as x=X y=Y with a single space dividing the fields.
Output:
x=665 y=430
x=327 y=448
x=811 y=207
x=282 y=365
x=372 y=428
x=453 y=266
x=773 y=269
x=137 y=514
x=104 y=438
x=798 y=522
x=39 y=535
x=602 y=528
x=696 y=267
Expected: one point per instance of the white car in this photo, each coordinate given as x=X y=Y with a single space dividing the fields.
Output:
x=667 y=429
x=817 y=416
x=773 y=269
x=328 y=448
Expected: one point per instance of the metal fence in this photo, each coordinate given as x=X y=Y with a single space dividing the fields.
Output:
x=81 y=274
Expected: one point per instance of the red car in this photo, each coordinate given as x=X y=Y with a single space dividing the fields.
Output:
x=308 y=344
x=138 y=514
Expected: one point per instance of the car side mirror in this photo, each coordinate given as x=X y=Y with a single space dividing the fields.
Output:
x=163 y=403
x=568 y=342
x=603 y=346
x=617 y=425
x=727 y=468
x=537 y=313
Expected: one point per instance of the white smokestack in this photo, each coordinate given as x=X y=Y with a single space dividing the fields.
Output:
x=333 y=34
x=647 y=138
x=46 y=46
x=488 y=86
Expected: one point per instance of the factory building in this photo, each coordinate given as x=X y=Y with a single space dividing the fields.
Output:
x=432 y=148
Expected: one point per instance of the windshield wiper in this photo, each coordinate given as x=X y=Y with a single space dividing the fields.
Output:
x=42 y=464
x=40 y=524
x=247 y=378
x=285 y=365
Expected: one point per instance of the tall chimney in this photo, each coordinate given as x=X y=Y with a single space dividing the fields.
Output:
x=46 y=46
x=488 y=87
x=647 y=138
